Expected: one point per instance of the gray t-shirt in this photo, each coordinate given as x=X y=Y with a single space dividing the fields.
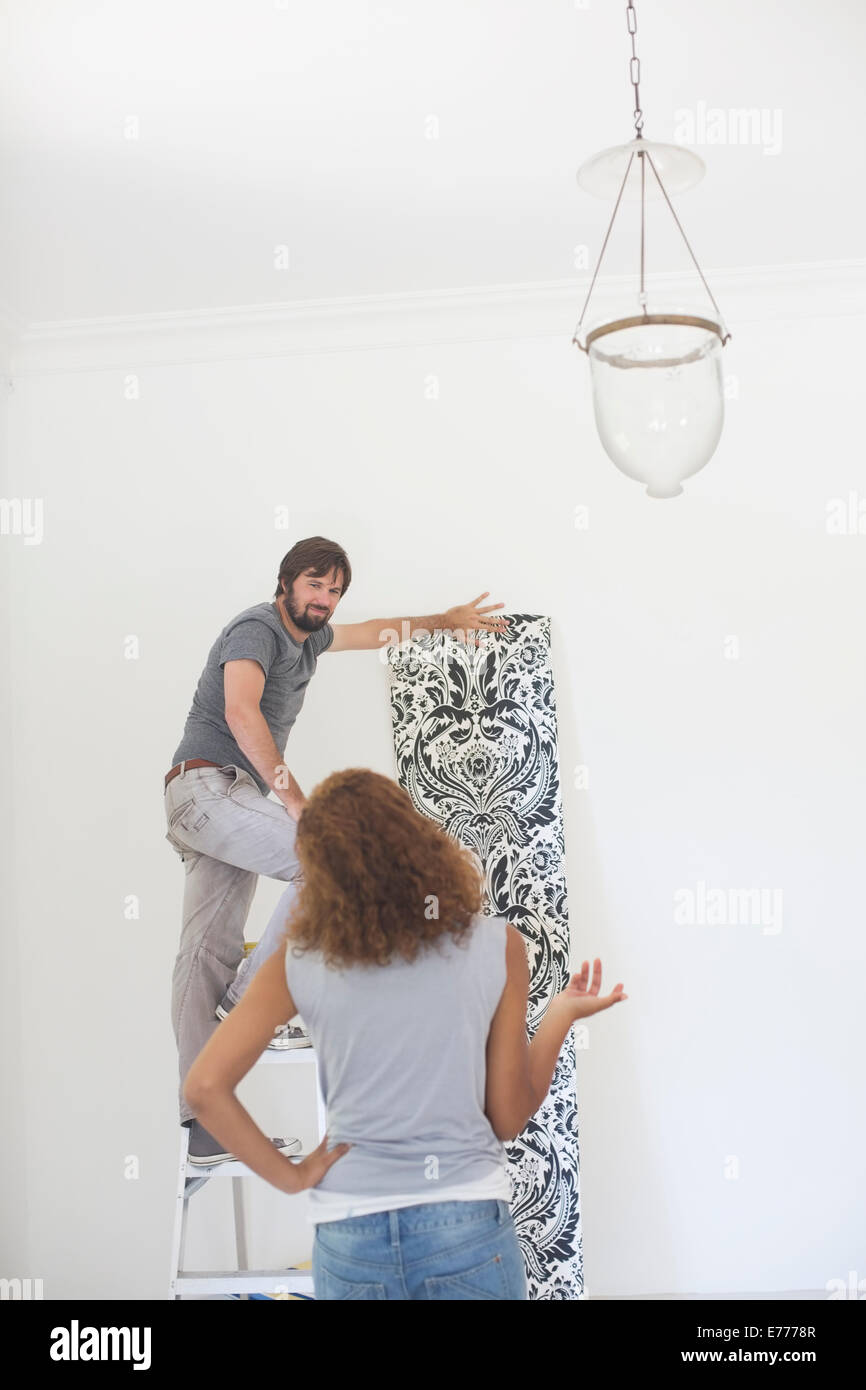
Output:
x=257 y=634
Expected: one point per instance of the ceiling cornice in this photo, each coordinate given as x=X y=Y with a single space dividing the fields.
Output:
x=11 y=332
x=546 y=309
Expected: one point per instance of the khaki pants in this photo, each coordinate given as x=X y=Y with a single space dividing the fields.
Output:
x=226 y=834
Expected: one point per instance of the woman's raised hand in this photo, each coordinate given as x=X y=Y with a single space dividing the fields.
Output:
x=581 y=995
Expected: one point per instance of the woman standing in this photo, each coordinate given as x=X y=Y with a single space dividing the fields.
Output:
x=416 y=1006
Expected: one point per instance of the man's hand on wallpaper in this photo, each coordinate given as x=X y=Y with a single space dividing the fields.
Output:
x=470 y=620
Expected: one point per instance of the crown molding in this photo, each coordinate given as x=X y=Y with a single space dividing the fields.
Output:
x=498 y=312
x=11 y=332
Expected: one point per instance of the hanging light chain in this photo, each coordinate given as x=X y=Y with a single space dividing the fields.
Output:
x=634 y=67
x=643 y=156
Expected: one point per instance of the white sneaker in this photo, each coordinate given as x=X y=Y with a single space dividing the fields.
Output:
x=206 y=1152
x=286 y=1036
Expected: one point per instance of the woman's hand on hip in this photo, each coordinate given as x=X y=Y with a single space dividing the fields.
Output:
x=310 y=1170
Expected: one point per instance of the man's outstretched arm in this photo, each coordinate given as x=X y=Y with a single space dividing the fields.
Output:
x=466 y=621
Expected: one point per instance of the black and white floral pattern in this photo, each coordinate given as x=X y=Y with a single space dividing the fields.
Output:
x=475 y=744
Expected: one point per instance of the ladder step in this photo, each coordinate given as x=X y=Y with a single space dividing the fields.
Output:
x=289 y=1054
x=230 y=1169
x=191 y=1176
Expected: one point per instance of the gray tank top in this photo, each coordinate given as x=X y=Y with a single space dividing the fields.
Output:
x=402 y=1061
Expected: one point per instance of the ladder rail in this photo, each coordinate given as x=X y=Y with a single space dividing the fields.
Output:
x=241 y=1280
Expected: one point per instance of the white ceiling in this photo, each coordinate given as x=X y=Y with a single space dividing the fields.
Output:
x=266 y=123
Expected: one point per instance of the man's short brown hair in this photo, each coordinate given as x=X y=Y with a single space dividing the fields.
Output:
x=318 y=555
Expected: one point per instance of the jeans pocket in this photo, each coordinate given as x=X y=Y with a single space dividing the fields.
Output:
x=486 y=1280
x=331 y=1286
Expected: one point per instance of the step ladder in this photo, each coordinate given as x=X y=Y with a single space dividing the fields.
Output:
x=242 y=1280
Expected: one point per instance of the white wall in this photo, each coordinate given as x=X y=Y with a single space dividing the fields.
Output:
x=13 y=1242
x=159 y=523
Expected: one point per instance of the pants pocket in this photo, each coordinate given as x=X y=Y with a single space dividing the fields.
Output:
x=172 y=817
x=331 y=1286
x=186 y=820
x=221 y=781
x=486 y=1280
x=178 y=811
x=191 y=818
x=232 y=775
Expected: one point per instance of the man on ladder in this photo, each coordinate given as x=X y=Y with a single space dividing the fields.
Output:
x=221 y=819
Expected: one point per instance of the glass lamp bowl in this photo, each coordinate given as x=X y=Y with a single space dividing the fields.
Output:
x=658 y=395
x=678 y=167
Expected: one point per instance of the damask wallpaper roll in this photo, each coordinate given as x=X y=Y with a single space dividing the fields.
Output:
x=475 y=744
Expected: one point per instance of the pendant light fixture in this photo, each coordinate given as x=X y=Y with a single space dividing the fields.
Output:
x=657 y=385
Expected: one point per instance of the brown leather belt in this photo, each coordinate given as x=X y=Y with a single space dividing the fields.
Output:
x=189 y=762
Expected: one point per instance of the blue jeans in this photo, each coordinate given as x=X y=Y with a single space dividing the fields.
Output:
x=453 y=1250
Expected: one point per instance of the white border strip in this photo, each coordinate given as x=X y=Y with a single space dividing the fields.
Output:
x=499 y=312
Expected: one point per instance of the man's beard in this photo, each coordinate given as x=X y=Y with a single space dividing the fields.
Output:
x=307 y=622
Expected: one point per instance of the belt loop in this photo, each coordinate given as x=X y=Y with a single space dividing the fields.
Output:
x=182 y=767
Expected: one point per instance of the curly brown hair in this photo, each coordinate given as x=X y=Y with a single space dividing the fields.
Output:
x=379 y=879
